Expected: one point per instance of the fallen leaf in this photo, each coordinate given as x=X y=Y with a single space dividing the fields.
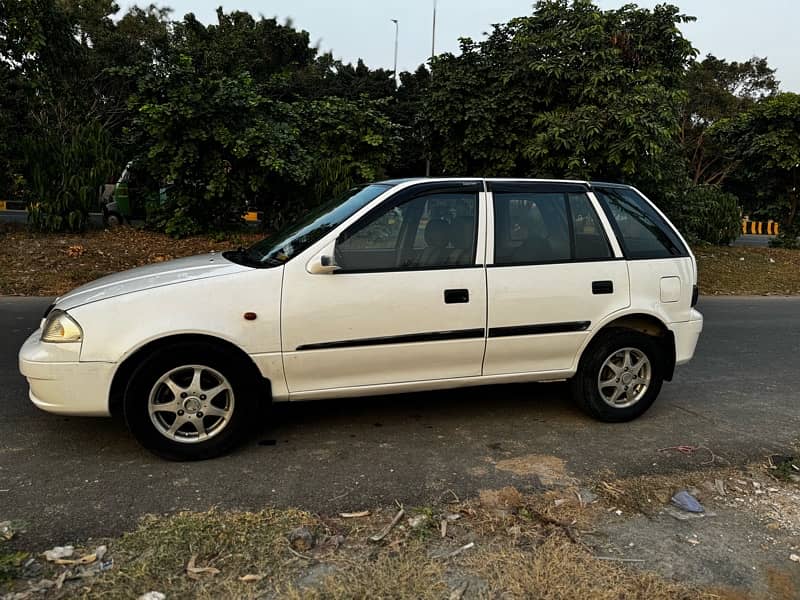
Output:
x=193 y=571
x=251 y=578
x=354 y=515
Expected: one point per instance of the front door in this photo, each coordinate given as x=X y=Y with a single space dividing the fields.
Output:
x=408 y=302
x=554 y=274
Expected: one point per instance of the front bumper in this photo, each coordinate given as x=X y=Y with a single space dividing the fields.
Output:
x=60 y=383
x=686 y=335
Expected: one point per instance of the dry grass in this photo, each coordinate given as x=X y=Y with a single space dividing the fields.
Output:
x=748 y=271
x=525 y=546
x=50 y=265
x=560 y=570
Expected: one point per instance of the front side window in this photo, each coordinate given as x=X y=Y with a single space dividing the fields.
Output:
x=546 y=227
x=643 y=232
x=293 y=239
x=433 y=230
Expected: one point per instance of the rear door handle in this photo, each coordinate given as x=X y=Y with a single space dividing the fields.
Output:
x=456 y=296
x=602 y=287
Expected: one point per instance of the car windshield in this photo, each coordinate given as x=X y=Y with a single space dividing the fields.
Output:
x=282 y=245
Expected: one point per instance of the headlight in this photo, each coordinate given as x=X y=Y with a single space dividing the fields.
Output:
x=60 y=327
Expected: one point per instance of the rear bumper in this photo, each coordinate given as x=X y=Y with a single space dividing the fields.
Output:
x=686 y=335
x=65 y=387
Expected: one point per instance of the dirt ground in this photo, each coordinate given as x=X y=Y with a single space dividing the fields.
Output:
x=748 y=271
x=52 y=264
x=606 y=538
x=49 y=265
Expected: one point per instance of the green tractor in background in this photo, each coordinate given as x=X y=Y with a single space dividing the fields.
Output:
x=126 y=200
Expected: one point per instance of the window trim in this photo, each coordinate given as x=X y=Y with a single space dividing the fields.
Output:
x=564 y=188
x=407 y=195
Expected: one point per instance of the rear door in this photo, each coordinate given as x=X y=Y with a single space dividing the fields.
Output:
x=662 y=270
x=553 y=273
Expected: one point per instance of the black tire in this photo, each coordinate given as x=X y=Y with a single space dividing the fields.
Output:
x=585 y=385
x=112 y=220
x=240 y=404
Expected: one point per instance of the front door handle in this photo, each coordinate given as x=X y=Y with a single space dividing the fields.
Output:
x=456 y=296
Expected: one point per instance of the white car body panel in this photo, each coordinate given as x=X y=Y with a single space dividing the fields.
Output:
x=150 y=276
x=531 y=295
x=208 y=295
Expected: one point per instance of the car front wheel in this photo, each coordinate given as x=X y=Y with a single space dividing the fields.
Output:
x=620 y=375
x=189 y=402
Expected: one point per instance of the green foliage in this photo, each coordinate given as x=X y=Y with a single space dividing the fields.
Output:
x=570 y=91
x=764 y=142
x=245 y=113
x=66 y=172
x=224 y=144
x=711 y=215
x=717 y=89
x=10 y=564
x=217 y=140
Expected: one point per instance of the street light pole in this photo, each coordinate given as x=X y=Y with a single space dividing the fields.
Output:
x=433 y=33
x=433 y=52
x=396 y=37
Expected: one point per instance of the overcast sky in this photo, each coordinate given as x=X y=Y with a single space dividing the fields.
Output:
x=352 y=29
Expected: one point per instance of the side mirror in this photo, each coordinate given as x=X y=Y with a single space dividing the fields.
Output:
x=322 y=264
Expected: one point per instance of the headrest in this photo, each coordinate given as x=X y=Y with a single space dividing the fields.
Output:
x=437 y=233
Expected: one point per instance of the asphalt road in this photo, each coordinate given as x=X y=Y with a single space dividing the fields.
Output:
x=21 y=216
x=758 y=241
x=72 y=478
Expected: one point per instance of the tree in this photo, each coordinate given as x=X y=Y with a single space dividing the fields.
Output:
x=226 y=138
x=216 y=140
x=717 y=89
x=570 y=91
x=765 y=143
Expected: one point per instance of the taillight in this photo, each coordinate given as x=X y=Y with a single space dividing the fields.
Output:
x=695 y=295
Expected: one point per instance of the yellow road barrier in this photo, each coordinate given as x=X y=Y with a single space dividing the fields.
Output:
x=759 y=227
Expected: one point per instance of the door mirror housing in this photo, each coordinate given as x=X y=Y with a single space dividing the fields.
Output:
x=322 y=264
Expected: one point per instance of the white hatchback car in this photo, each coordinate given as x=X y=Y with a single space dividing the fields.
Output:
x=400 y=286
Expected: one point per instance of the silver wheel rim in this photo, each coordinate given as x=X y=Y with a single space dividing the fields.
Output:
x=191 y=404
x=624 y=377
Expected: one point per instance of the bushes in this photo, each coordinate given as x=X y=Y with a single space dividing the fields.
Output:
x=710 y=215
x=66 y=170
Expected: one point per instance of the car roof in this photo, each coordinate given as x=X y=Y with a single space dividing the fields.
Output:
x=434 y=179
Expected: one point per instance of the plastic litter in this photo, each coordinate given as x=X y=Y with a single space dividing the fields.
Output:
x=59 y=552
x=6 y=530
x=153 y=596
x=685 y=501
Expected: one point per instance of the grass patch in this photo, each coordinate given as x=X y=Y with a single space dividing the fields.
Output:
x=748 y=271
x=502 y=544
x=156 y=555
x=10 y=563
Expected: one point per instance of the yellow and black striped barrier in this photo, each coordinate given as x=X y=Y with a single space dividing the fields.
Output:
x=759 y=227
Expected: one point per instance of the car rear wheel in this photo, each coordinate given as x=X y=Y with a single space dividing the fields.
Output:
x=189 y=402
x=620 y=375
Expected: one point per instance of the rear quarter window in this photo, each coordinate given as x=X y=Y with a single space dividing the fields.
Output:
x=642 y=232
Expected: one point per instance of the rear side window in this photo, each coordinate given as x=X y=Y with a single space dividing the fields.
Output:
x=534 y=227
x=642 y=231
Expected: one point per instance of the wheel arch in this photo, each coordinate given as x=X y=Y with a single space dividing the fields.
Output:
x=649 y=325
x=134 y=359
